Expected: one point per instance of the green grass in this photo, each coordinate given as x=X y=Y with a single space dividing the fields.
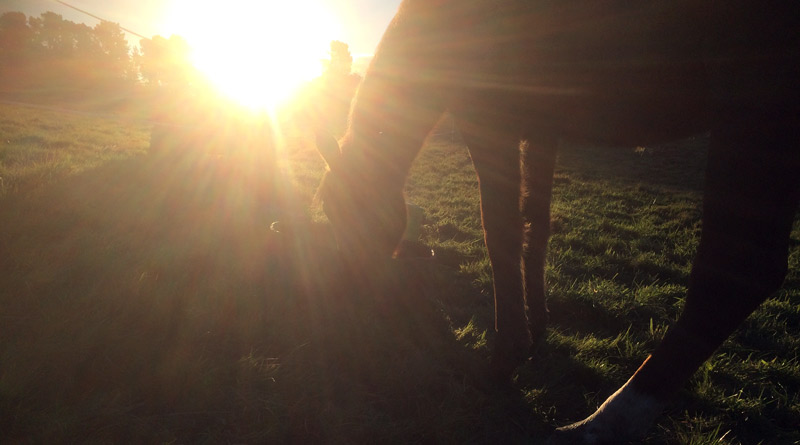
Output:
x=39 y=146
x=143 y=299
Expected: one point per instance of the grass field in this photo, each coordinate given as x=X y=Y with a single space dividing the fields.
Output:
x=143 y=299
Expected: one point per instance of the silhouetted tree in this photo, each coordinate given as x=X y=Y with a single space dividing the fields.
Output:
x=51 y=34
x=48 y=51
x=113 y=59
x=15 y=35
x=15 y=42
x=335 y=89
x=165 y=61
x=341 y=62
x=166 y=68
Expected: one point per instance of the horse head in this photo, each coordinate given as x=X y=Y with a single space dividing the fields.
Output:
x=362 y=200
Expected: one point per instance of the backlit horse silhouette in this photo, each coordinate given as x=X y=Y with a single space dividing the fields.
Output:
x=520 y=75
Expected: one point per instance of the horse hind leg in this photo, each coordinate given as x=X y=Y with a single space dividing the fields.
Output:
x=751 y=196
x=538 y=163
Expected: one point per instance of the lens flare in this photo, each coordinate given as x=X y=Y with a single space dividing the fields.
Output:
x=257 y=53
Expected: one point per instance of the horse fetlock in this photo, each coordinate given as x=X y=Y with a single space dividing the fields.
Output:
x=501 y=368
x=511 y=349
x=537 y=321
x=538 y=336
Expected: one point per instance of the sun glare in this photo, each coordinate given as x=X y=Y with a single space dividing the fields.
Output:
x=257 y=53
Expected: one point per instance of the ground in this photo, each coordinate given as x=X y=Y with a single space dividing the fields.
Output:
x=144 y=298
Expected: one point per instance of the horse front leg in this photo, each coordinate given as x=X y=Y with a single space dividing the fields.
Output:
x=538 y=163
x=496 y=160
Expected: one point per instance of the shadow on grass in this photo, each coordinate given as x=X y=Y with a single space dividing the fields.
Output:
x=678 y=165
x=147 y=300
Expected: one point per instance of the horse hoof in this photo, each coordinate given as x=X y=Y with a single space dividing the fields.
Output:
x=501 y=372
x=538 y=336
x=625 y=416
x=502 y=367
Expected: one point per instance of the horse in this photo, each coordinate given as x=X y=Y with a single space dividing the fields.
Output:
x=521 y=75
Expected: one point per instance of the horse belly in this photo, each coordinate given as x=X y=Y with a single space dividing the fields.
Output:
x=617 y=118
x=618 y=72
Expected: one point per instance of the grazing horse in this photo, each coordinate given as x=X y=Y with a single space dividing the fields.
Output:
x=520 y=75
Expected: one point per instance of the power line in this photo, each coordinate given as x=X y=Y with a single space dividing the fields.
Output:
x=100 y=18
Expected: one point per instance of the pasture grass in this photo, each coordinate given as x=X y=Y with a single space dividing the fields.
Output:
x=40 y=145
x=144 y=299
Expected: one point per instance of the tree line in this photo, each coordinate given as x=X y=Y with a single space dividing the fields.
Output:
x=65 y=59
x=57 y=53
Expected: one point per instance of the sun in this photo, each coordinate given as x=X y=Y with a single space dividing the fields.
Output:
x=256 y=52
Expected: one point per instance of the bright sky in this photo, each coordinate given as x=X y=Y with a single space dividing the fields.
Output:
x=256 y=51
x=361 y=22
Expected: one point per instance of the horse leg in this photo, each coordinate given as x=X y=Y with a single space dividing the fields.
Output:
x=751 y=196
x=538 y=164
x=496 y=157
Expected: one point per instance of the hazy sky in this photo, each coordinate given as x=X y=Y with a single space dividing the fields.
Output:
x=361 y=21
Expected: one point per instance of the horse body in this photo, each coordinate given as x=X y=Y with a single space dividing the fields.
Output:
x=521 y=75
